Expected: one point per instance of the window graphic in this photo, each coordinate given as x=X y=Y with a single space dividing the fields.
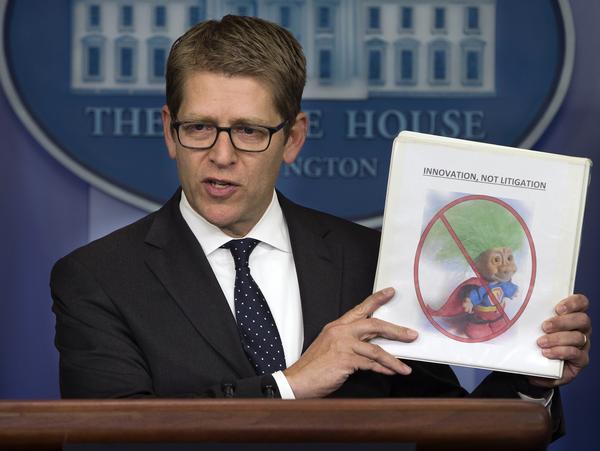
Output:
x=439 y=19
x=194 y=15
x=93 y=63
x=324 y=22
x=354 y=50
x=126 y=62
x=375 y=66
x=93 y=51
x=289 y=16
x=125 y=52
x=439 y=57
x=472 y=62
x=126 y=18
x=325 y=72
x=406 y=18
x=471 y=20
x=159 y=58
x=376 y=61
x=160 y=17
x=406 y=61
x=94 y=18
x=158 y=49
x=374 y=19
x=407 y=69
x=284 y=17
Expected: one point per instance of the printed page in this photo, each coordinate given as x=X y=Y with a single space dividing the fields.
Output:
x=480 y=243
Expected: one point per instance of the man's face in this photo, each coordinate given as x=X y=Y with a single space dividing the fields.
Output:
x=230 y=188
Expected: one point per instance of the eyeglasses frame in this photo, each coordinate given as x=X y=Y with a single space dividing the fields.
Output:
x=272 y=130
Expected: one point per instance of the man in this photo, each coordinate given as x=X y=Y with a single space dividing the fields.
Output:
x=157 y=308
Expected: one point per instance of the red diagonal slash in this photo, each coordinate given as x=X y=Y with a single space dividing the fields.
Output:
x=472 y=265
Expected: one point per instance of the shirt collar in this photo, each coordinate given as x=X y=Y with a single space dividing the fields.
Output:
x=270 y=229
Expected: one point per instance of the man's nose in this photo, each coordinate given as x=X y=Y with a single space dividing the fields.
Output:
x=222 y=153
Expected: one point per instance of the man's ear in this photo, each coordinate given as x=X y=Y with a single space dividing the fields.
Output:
x=296 y=138
x=168 y=132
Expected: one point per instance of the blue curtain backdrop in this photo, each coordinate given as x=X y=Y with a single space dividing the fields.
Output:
x=46 y=211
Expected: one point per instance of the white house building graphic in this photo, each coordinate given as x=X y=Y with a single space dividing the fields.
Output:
x=355 y=48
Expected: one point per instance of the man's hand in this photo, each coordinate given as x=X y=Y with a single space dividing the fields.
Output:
x=342 y=348
x=567 y=337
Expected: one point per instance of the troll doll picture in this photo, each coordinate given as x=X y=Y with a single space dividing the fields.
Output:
x=472 y=250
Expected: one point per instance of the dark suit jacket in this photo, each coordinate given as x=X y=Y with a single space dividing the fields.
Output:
x=140 y=313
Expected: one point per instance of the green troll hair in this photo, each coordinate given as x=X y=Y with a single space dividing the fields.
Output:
x=480 y=225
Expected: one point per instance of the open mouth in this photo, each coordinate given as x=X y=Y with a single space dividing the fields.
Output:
x=219 y=183
x=220 y=188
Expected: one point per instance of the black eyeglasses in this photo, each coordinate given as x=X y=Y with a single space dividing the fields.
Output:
x=244 y=137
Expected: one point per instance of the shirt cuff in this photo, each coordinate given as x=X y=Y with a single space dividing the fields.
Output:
x=283 y=385
x=546 y=401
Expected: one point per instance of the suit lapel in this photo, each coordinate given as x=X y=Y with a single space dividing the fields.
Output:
x=318 y=266
x=176 y=258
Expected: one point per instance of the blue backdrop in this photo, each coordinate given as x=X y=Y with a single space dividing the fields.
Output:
x=46 y=211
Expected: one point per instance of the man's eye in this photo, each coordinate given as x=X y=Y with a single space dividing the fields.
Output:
x=245 y=130
x=201 y=127
x=197 y=127
x=250 y=133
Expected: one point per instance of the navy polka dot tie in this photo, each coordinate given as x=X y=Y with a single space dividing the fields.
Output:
x=258 y=331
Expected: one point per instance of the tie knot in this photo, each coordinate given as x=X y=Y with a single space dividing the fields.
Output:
x=241 y=250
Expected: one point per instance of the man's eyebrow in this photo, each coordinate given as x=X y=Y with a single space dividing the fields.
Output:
x=196 y=118
x=212 y=120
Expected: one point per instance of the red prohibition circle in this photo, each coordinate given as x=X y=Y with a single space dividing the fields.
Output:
x=424 y=235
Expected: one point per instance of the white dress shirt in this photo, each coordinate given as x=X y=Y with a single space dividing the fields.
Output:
x=272 y=267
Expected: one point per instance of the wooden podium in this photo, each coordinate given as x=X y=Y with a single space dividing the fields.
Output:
x=431 y=424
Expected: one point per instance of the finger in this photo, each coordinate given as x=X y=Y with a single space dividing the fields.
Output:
x=573 y=303
x=378 y=368
x=370 y=328
x=544 y=382
x=377 y=354
x=570 y=321
x=367 y=307
x=574 y=355
x=370 y=365
x=364 y=363
x=571 y=338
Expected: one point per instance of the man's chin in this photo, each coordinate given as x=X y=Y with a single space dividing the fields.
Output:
x=227 y=221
